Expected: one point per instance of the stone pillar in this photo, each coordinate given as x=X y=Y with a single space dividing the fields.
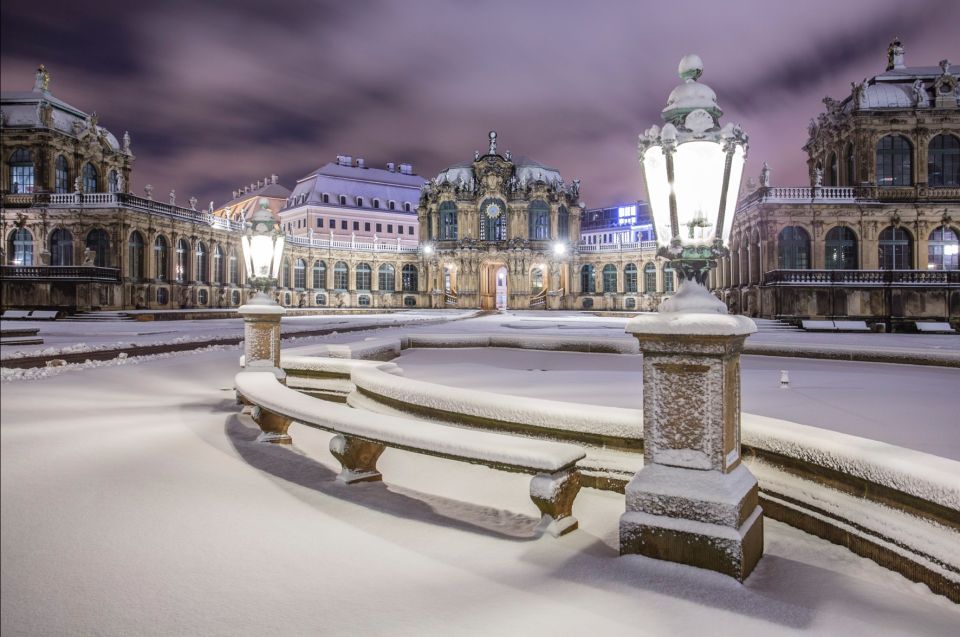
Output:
x=261 y=335
x=693 y=502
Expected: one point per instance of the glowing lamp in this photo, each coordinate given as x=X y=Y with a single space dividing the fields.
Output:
x=692 y=169
x=262 y=245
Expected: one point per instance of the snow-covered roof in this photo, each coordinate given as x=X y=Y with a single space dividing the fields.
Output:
x=336 y=179
x=525 y=170
x=21 y=110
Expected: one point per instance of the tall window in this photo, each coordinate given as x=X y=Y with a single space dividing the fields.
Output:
x=943 y=161
x=135 y=254
x=894 y=161
x=340 y=276
x=538 y=220
x=201 y=265
x=536 y=280
x=21 y=171
x=319 y=275
x=20 y=247
x=218 y=265
x=386 y=278
x=840 y=249
x=630 y=278
x=851 y=166
x=668 y=279
x=233 y=269
x=183 y=261
x=448 y=220
x=793 y=249
x=563 y=223
x=943 y=250
x=61 y=175
x=61 y=247
x=300 y=274
x=609 y=278
x=284 y=281
x=409 y=278
x=833 y=171
x=650 y=278
x=89 y=178
x=588 y=284
x=113 y=183
x=492 y=220
x=896 y=249
x=99 y=242
x=160 y=258
x=364 y=277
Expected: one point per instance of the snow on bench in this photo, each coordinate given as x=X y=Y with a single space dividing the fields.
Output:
x=15 y=314
x=361 y=438
x=930 y=327
x=835 y=326
x=818 y=326
x=851 y=326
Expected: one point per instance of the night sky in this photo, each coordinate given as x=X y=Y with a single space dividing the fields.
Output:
x=218 y=94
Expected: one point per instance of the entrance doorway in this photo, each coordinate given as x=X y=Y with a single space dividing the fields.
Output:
x=493 y=286
x=502 y=288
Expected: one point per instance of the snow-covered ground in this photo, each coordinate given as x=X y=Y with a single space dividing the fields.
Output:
x=135 y=502
x=904 y=405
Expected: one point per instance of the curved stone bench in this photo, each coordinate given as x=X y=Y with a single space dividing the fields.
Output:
x=362 y=437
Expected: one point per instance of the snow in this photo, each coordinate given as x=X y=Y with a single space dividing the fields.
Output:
x=140 y=504
x=692 y=526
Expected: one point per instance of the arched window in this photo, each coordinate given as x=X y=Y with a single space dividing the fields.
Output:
x=448 y=220
x=406 y=206
x=894 y=161
x=376 y=203
x=183 y=261
x=851 y=166
x=793 y=249
x=391 y=205
x=563 y=223
x=536 y=280
x=326 y=197
x=386 y=278
x=668 y=279
x=135 y=252
x=99 y=242
x=284 y=281
x=340 y=276
x=201 y=265
x=363 y=274
x=840 y=249
x=20 y=247
x=896 y=249
x=218 y=265
x=409 y=278
x=300 y=274
x=343 y=200
x=160 y=258
x=359 y=202
x=319 y=275
x=650 y=278
x=538 y=220
x=61 y=247
x=943 y=161
x=21 y=171
x=492 y=220
x=833 y=171
x=113 y=184
x=234 y=269
x=609 y=278
x=588 y=283
x=61 y=175
x=630 y=278
x=89 y=178
x=943 y=250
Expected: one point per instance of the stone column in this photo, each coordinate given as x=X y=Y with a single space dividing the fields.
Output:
x=693 y=502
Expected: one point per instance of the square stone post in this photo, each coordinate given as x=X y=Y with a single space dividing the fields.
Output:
x=693 y=502
x=261 y=352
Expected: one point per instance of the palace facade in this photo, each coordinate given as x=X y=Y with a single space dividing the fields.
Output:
x=874 y=235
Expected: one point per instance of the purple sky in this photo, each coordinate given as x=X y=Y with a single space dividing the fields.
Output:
x=219 y=94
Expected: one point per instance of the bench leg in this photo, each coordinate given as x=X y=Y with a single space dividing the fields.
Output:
x=358 y=458
x=273 y=428
x=553 y=493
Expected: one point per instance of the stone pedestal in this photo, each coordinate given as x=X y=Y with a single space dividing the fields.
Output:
x=693 y=502
x=261 y=352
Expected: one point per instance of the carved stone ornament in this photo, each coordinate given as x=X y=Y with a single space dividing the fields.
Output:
x=698 y=121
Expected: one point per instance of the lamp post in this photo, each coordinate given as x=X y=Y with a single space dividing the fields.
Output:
x=693 y=502
x=262 y=253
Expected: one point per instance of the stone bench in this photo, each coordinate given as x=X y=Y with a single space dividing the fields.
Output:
x=818 y=326
x=44 y=315
x=852 y=326
x=362 y=436
x=930 y=327
x=15 y=314
x=835 y=326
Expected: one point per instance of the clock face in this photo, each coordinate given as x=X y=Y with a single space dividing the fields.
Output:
x=492 y=211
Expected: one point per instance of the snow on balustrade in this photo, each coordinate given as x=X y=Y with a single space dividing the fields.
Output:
x=379 y=246
x=861 y=277
x=807 y=194
x=633 y=246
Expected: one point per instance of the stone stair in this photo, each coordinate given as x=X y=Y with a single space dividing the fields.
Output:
x=775 y=325
x=99 y=316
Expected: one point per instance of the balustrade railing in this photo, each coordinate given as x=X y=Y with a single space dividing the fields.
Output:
x=633 y=246
x=862 y=277
x=59 y=273
x=363 y=246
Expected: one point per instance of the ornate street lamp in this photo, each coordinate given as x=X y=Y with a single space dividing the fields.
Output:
x=263 y=244
x=693 y=502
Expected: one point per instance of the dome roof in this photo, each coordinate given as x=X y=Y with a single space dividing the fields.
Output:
x=461 y=171
x=887 y=95
x=690 y=96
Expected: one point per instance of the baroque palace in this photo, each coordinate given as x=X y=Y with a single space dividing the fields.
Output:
x=874 y=235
